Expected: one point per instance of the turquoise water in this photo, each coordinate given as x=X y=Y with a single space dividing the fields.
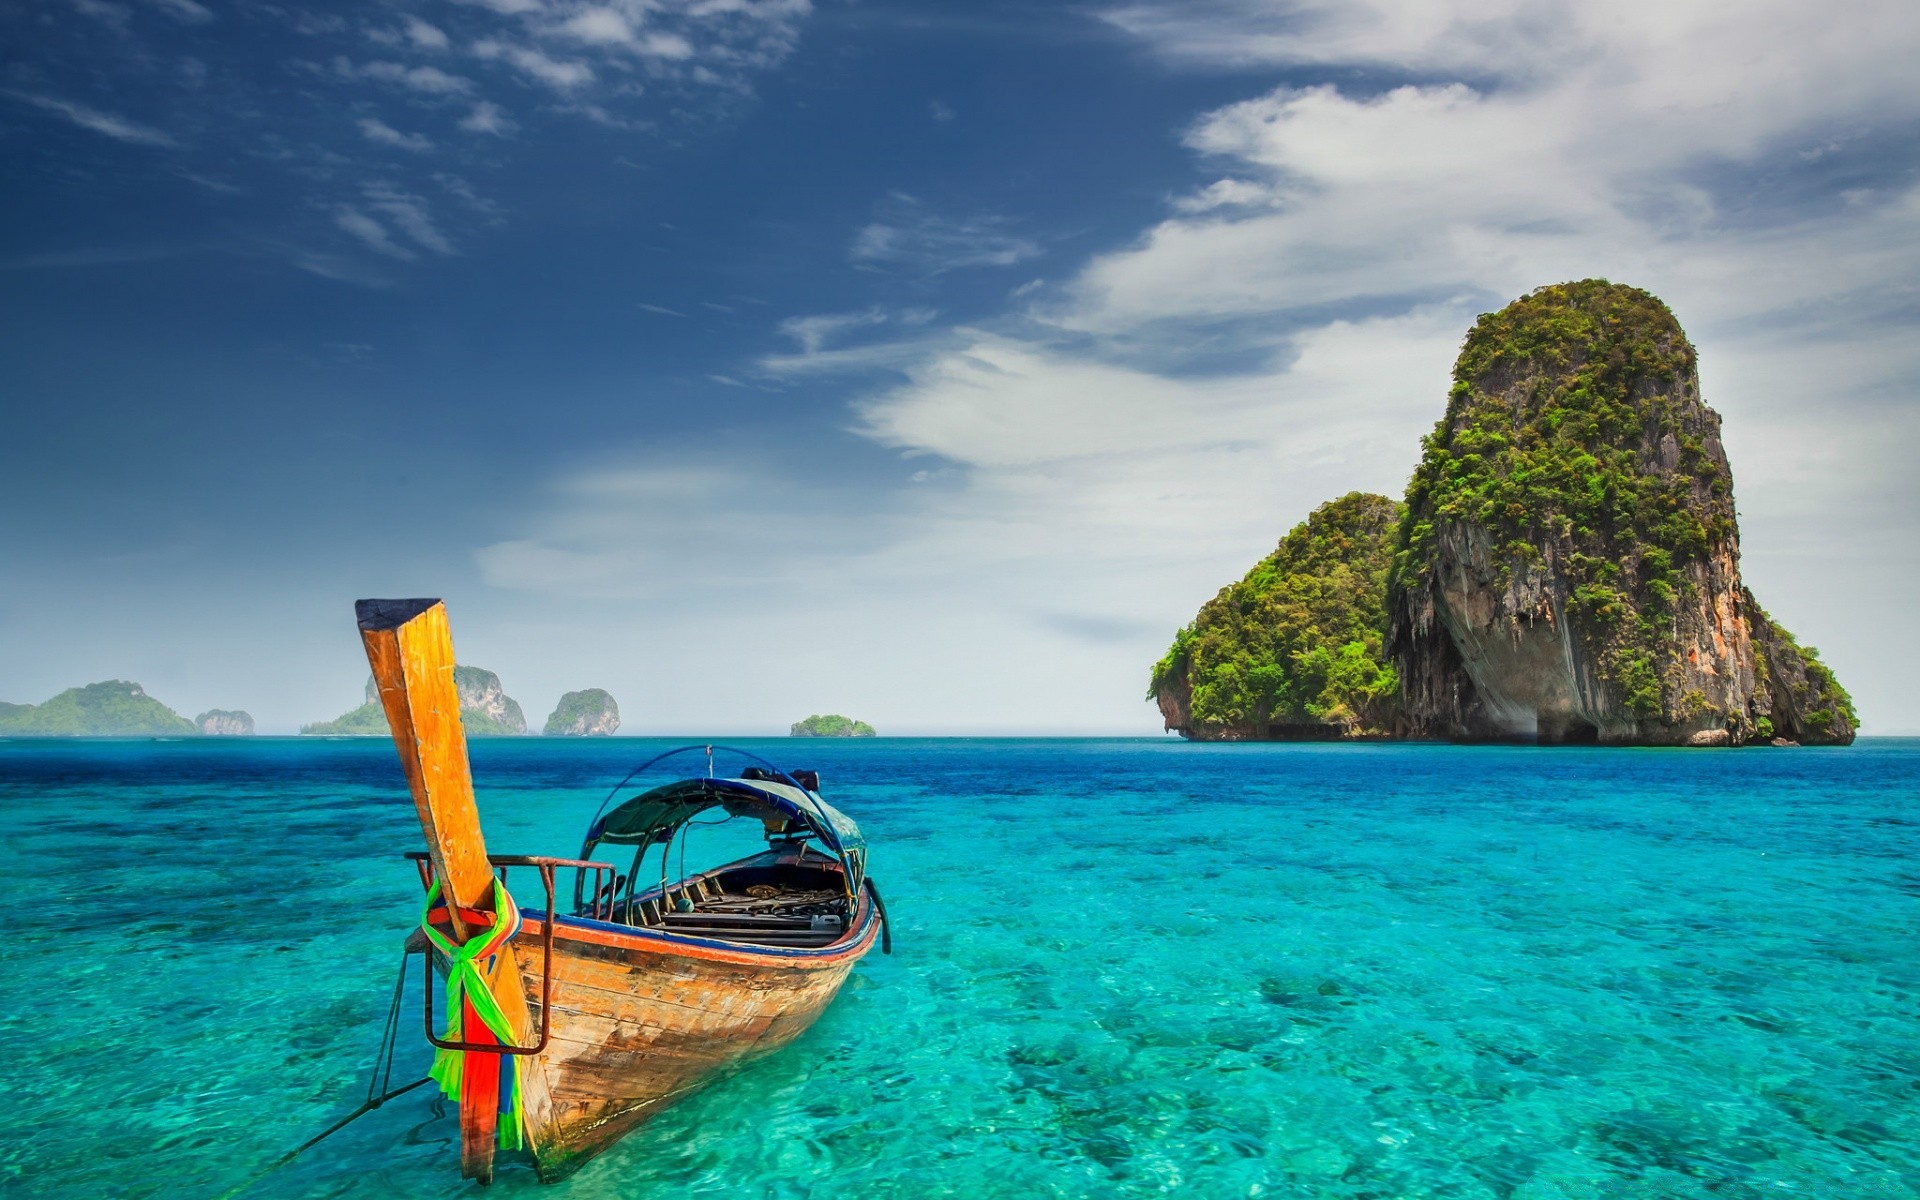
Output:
x=1121 y=968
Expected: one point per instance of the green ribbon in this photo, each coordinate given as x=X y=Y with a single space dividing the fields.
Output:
x=467 y=985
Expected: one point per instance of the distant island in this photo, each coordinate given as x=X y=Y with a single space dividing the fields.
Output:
x=224 y=722
x=588 y=713
x=1564 y=568
x=113 y=708
x=831 y=725
x=485 y=709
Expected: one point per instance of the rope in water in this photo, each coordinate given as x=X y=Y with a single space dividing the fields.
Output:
x=379 y=1091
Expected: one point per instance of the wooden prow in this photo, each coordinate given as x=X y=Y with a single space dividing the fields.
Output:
x=410 y=649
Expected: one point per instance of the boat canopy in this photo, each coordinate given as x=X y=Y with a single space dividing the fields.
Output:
x=653 y=816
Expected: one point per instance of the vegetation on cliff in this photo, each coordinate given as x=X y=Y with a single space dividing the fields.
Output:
x=113 y=708
x=225 y=722
x=1553 y=399
x=367 y=719
x=587 y=713
x=1299 y=641
x=831 y=725
x=1565 y=567
x=485 y=710
x=1798 y=698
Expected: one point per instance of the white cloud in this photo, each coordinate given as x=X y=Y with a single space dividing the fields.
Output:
x=376 y=130
x=425 y=36
x=600 y=26
x=187 y=12
x=371 y=232
x=507 y=8
x=410 y=213
x=487 y=117
x=606 y=57
x=468 y=196
x=1225 y=193
x=116 y=127
x=909 y=235
x=813 y=332
x=429 y=80
x=112 y=15
x=555 y=73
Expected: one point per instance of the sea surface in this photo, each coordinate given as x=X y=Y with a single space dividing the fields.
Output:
x=1121 y=968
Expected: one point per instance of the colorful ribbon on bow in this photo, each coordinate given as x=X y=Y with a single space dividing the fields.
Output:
x=474 y=1015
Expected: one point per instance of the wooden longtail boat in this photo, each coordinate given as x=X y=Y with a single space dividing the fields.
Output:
x=599 y=1016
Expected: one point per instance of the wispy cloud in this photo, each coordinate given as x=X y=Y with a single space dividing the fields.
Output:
x=813 y=332
x=507 y=8
x=376 y=130
x=116 y=127
x=564 y=75
x=468 y=196
x=187 y=12
x=371 y=233
x=408 y=212
x=106 y=12
x=426 y=36
x=908 y=234
x=426 y=79
x=487 y=117
x=212 y=184
x=609 y=27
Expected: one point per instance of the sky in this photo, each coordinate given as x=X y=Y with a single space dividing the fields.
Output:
x=926 y=362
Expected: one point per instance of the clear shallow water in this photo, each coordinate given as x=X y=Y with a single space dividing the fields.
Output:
x=1121 y=968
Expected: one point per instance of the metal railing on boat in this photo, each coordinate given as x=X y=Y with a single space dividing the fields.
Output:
x=600 y=908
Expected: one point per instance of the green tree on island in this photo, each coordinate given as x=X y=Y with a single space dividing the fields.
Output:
x=1299 y=642
x=831 y=725
x=112 y=708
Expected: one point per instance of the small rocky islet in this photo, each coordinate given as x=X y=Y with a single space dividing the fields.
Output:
x=119 y=708
x=1564 y=568
x=587 y=713
x=487 y=711
x=830 y=725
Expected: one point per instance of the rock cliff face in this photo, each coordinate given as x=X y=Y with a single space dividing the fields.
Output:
x=485 y=709
x=222 y=722
x=589 y=713
x=1294 y=651
x=1569 y=565
x=1797 y=699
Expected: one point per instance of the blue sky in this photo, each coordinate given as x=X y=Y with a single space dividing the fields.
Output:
x=927 y=362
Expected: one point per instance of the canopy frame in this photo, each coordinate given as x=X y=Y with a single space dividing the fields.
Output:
x=658 y=815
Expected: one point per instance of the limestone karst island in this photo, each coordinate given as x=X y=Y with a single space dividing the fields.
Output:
x=1565 y=567
x=113 y=708
x=487 y=711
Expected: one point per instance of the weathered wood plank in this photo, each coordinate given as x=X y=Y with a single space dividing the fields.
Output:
x=634 y=1029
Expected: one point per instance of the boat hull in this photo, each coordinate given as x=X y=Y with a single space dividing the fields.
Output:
x=640 y=1018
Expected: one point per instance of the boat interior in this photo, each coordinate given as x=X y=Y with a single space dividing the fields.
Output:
x=773 y=899
x=802 y=891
